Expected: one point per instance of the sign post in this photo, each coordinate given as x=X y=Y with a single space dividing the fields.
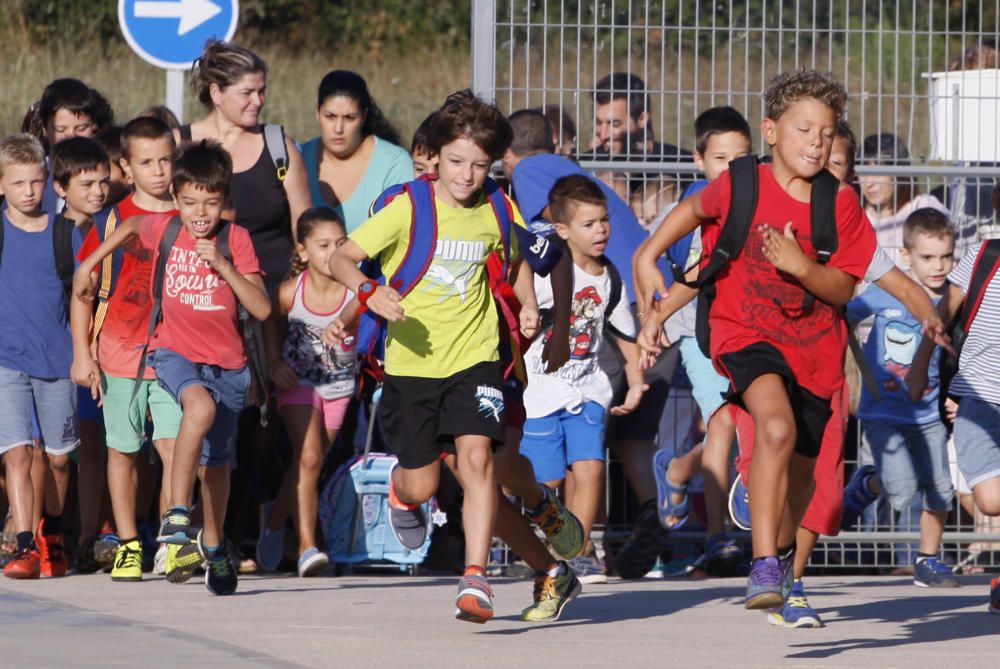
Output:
x=171 y=34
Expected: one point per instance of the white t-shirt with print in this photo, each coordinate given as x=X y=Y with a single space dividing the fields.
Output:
x=581 y=378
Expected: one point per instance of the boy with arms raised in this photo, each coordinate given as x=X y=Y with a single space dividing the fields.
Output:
x=782 y=352
x=120 y=333
x=34 y=337
x=197 y=351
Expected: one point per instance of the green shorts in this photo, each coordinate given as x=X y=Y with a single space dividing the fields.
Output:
x=124 y=420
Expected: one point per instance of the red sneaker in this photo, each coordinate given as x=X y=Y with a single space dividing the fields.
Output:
x=52 y=553
x=26 y=564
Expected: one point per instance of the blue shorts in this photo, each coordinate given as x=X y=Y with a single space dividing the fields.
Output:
x=228 y=387
x=53 y=399
x=912 y=458
x=554 y=442
x=708 y=387
x=86 y=406
x=977 y=440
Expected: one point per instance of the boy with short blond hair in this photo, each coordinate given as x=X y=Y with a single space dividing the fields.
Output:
x=34 y=339
x=120 y=332
x=777 y=335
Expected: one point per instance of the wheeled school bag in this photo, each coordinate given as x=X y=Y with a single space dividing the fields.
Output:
x=743 y=174
x=62 y=249
x=985 y=268
x=353 y=512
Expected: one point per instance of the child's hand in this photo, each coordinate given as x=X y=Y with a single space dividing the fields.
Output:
x=85 y=372
x=335 y=333
x=950 y=409
x=916 y=383
x=934 y=328
x=284 y=376
x=651 y=339
x=631 y=400
x=208 y=251
x=648 y=282
x=385 y=302
x=530 y=320
x=783 y=250
x=84 y=286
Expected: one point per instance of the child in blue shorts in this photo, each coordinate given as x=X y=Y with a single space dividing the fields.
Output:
x=908 y=439
x=567 y=409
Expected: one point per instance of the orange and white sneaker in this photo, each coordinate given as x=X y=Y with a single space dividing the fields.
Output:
x=26 y=564
x=52 y=553
x=474 y=603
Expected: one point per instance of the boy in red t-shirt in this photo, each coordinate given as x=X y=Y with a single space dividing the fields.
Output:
x=120 y=334
x=197 y=351
x=784 y=359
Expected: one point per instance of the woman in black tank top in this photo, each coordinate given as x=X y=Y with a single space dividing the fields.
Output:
x=230 y=81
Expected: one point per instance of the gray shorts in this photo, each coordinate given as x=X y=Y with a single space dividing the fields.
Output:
x=977 y=440
x=53 y=399
x=911 y=459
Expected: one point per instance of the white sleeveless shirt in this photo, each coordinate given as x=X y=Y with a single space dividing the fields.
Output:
x=331 y=370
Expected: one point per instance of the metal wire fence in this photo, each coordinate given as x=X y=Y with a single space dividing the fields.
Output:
x=924 y=71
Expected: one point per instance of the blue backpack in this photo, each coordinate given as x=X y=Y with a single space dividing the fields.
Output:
x=420 y=253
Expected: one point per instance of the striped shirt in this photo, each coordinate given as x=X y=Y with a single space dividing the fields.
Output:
x=979 y=363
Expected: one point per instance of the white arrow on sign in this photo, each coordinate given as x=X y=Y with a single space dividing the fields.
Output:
x=192 y=13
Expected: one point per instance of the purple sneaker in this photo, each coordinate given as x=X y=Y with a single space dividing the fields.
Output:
x=787 y=566
x=764 y=587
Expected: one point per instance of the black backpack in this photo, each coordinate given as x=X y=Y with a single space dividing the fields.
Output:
x=985 y=268
x=62 y=248
x=743 y=204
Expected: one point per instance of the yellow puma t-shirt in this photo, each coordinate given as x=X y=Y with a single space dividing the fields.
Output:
x=451 y=321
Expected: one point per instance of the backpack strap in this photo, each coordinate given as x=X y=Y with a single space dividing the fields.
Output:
x=987 y=264
x=110 y=268
x=743 y=174
x=167 y=241
x=274 y=140
x=62 y=246
x=823 y=222
x=423 y=238
x=504 y=215
x=617 y=291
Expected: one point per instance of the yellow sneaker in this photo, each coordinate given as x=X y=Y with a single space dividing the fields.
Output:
x=128 y=562
x=182 y=561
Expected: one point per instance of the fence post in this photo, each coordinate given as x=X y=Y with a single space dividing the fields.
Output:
x=484 y=48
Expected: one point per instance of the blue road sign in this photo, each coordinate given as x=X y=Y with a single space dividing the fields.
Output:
x=172 y=33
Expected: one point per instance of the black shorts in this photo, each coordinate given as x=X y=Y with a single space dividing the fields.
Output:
x=643 y=424
x=421 y=417
x=811 y=413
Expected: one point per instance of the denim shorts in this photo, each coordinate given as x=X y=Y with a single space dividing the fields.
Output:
x=912 y=458
x=554 y=442
x=709 y=388
x=228 y=387
x=977 y=440
x=55 y=403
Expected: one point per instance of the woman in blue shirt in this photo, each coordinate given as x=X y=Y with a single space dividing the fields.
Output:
x=357 y=154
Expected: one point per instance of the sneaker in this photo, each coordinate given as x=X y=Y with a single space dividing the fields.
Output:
x=796 y=612
x=312 y=562
x=562 y=529
x=857 y=495
x=786 y=564
x=588 y=570
x=52 y=553
x=408 y=524
x=474 y=603
x=27 y=563
x=722 y=554
x=181 y=562
x=739 y=504
x=765 y=584
x=128 y=562
x=160 y=560
x=86 y=563
x=995 y=595
x=271 y=543
x=220 y=574
x=641 y=549
x=106 y=549
x=175 y=528
x=933 y=573
x=552 y=594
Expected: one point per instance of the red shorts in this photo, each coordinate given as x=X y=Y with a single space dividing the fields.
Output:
x=824 y=512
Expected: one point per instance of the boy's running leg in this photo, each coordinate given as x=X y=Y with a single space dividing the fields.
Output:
x=220 y=575
x=408 y=490
x=474 y=465
x=20 y=494
x=199 y=409
x=123 y=484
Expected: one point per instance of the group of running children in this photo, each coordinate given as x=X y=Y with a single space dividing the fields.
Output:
x=768 y=341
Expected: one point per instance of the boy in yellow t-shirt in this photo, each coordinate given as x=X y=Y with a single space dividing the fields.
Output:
x=443 y=386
